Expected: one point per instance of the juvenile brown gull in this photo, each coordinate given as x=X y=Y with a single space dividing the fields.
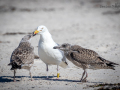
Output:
x=23 y=56
x=85 y=58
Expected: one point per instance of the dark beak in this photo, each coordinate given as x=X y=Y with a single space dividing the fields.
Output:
x=56 y=47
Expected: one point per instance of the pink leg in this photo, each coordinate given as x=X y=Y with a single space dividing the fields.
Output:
x=82 y=75
x=14 y=75
x=85 y=79
x=31 y=76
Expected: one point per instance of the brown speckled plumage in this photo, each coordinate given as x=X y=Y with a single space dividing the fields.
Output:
x=23 y=56
x=88 y=58
x=85 y=58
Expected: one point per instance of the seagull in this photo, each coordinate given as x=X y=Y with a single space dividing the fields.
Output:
x=46 y=52
x=23 y=56
x=85 y=58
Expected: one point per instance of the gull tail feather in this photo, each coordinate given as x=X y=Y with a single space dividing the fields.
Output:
x=9 y=64
x=63 y=64
x=36 y=57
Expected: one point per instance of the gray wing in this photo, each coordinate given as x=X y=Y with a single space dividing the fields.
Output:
x=64 y=57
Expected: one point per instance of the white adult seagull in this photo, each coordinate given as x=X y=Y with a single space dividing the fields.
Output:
x=46 y=52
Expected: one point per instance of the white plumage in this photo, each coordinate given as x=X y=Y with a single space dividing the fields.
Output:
x=46 y=52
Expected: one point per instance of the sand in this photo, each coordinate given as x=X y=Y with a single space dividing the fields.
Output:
x=69 y=21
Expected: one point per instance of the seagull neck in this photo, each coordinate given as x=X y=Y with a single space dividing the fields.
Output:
x=24 y=43
x=46 y=37
x=66 y=52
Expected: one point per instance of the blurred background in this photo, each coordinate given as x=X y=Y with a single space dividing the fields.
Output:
x=93 y=24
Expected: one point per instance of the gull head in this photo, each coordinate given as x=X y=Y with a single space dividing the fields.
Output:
x=40 y=29
x=27 y=38
x=63 y=47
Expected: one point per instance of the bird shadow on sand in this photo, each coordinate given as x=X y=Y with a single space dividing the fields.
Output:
x=54 y=78
x=10 y=78
x=6 y=79
x=68 y=80
x=50 y=78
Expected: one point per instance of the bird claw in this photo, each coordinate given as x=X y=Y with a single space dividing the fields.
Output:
x=84 y=80
x=32 y=79
x=57 y=78
x=47 y=77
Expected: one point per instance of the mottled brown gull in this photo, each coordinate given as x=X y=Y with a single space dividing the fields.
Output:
x=85 y=58
x=23 y=56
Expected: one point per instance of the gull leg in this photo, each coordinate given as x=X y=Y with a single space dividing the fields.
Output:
x=47 y=69
x=58 y=74
x=30 y=75
x=14 y=75
x=82 y=75
x=85 y=79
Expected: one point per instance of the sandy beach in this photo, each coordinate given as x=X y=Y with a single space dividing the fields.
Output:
x=88 y=23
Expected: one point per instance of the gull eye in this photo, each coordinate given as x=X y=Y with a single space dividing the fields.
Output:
x=41 y=28
x=64 y=45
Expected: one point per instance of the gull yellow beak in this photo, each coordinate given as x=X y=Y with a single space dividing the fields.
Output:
x=36 y=32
